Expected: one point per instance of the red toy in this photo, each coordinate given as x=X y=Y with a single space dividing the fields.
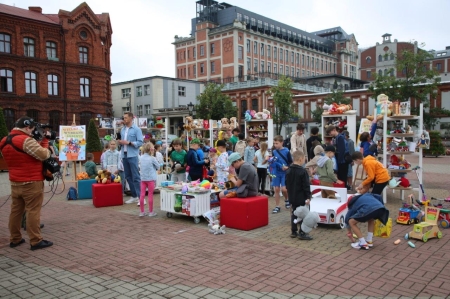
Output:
x=404 y=182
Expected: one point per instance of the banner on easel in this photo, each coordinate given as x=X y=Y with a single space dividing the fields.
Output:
x=72 y=143
x=363 y=127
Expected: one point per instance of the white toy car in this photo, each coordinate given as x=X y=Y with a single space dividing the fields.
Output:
x=330 y=210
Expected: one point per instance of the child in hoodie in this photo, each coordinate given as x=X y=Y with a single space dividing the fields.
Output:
x=326 y=173
x=311 y=166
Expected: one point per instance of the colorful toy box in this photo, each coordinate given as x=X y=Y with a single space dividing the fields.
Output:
x=106 y=195
x=85 y=188
x=244 y=213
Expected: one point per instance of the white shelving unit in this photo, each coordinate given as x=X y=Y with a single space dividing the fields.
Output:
x=386 y=153
x=351 y=124
x=268 y=124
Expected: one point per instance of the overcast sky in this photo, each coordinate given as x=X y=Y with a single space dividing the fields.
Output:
x=143 y=30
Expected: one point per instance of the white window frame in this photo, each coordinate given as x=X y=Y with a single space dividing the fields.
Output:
x=181 y=91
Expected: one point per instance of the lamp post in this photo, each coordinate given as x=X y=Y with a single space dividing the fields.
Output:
x=190 y=107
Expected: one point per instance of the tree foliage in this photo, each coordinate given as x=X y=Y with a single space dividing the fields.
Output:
x=336 y=96
x=282 y=99
x=437 y=148
x=93 y=143
x=213 y=104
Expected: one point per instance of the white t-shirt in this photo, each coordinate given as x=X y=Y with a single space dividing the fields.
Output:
x=261 y=159
x=159 y=158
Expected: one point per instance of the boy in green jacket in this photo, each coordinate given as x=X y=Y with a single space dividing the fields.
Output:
x=326 y=173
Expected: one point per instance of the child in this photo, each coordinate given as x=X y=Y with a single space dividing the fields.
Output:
x=311 y=166
x=256 y=143
x=178 y=157
x=326 y=173
x=111 y=157
x=148 y=167
x=212 y=158
x=284 y=159
x=261 y=158
x=377 y=174
x=159 y=157
x=105 y=149
x=313 y=147
x=235 y=136
x=309 y=142
x=299 y=191
x=222 y=162
x=194 y=162
x=342 y=153
x=90 y=167
x=365 y=146
x=249 y=153
x=240 y=145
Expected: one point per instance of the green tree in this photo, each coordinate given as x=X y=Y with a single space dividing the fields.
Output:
x=282 y=98
x=3 y=129
x=436 y=146
x=93 y=143
x=213 y=104
x=336 y=96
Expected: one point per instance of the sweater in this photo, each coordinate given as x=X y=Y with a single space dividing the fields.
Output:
x=148 y=167
x=375 y=171
x=297 y=184
x=325 y=170
x=299 y=143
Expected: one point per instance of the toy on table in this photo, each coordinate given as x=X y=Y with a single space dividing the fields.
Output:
x=427 y=229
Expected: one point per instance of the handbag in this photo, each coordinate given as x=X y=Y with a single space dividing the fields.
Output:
x=382 y=231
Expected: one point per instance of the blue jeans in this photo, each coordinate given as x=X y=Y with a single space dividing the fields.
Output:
x=122 y=180
x=131 y=168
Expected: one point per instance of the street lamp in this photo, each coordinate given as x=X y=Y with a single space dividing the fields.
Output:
x=190 y=107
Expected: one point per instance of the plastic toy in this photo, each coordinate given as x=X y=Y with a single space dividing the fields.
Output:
x=411 y=244
x=330 y=210
x=397 y=242
x=427 y=229
x=409 y=213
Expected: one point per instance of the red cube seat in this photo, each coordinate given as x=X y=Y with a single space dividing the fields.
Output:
x=244 y=213
x=106 y=195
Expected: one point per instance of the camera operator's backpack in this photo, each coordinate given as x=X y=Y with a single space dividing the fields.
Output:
x=72 y=194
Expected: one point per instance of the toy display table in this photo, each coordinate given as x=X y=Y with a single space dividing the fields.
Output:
x=85 y=188
x=244 y=213
x=106 y=195
x=160 y=178
x=193 y=204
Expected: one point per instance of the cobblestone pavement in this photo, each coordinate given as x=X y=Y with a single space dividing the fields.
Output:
x=112 y=253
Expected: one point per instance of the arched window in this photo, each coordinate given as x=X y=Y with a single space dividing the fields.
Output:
x=52 y=84
x=6 y=80
x=85 y=91
x=386 y=56
x=255 y=104
x=54 y=117
x=243 y=107
x=34 y=114
x=368 y=59
x=392 y=56
x=28 y=47
x=30 y=82
x=380 y=73
x=5 y=43
x=10 y=118
x=85 y=117
x=380 y=58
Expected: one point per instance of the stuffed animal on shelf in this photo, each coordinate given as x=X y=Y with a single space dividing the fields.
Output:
x=225 y=124
x=159 y=122
x=216 y=229
x=205 y=124
x=247 y=116
x=404 y=182
x=233 y=122
x=342 y=123
x=266 y=114
x=103 y=177
x=195 y=124
x=219 y=124
x=342 y=108
x=259 y=115
x=188 y=123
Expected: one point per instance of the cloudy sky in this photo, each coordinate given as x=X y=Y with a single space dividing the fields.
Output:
x=143 y=30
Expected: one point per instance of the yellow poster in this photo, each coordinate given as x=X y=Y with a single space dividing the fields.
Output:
x=363 y=127
x=72 y=143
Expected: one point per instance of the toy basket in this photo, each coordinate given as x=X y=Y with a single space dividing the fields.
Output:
x=382 y=231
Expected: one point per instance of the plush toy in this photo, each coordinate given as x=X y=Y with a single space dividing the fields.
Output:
x=247 y=116
x=205 y=124
x=310 y=219
x=253 y=113
x=159 y=122
x=259 y=115
x=225 y=124
x=342 y=123
x=233 y=122
x=195 y=124
x=117 y=179
x=205 y=184
x=342 y=108
x=301 y=213
x=188 y=123
x=219 y=124
x=404 y=182
x=176 y=166
x=393 y=183
x=382 y=102
x=378 y=137
x=216 y=229
x=266 y=114
x=103 y=177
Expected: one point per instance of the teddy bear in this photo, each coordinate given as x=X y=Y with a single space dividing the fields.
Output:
x=342 y=108
x=103 y=177
x=188 y=123
x=310 y=219
x=195 y=124
x=342 y=123
x=215 y=228
x=225 y=124
x=266 y=114
x=233 y=122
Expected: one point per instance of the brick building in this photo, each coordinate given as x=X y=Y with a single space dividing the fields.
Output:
x=54 y=65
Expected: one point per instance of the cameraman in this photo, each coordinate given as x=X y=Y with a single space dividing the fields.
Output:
x=24 y=156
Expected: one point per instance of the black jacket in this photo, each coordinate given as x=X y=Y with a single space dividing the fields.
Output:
x=297 y=184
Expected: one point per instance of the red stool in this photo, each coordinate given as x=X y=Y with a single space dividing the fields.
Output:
x=106 y=195
x=244 y=213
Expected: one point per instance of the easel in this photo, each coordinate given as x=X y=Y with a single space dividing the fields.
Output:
x=74 y=163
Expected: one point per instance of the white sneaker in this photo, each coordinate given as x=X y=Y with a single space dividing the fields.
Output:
x=132 y=200
x=152 y=214
x=358 y=245
x=142 y=214
x=139 y=203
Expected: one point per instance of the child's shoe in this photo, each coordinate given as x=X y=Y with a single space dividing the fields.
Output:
x=287 y=204
x=370 y=243
x=142 y=214
x=304 y=236
x=152 y=214
x=358 y=245
x=294 y=235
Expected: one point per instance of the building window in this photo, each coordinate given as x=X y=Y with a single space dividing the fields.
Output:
x=278 y=30
x=139 y=91
x=272 y=28
x=83 y=52
x=317 y=63
x=253 y=22
x=281 y=70
x=213 y=67
x=287 y=71
x=54 y=117
x=212 y=48
x=268 y=51
x=275 y=52
x=240 y=52
x=307 y=74
x=126 y=93
x=380 y=73
x=202 y=68
x=260 y=24
x=28 y=47
x=248 y=46
x=194 y=70
x=369 y=75
x=255 y=65
x=146 y=90
x=85 y=117
x=147 y=109
x=194 y=53
x=239 y=17
x=303 y=59
x=240 y=71
x=269 y=67
x=139 y=110
x=33 y=113
x=262 y=49
x=5 y=43
x=297 y=58
x=392 y=56
x=303 y=73
x=255 y=48
x=287 y=56
x=386 y=56
x=321 y=65
x=6 y=80
x=52 y=83
x=182 y=91
x=51 y=49
x=243 y=107
x=246 y=19
x=275 y=68
x=292 y=72
x=438 y=66
x=255 y=104
x=385 y=72
x=307 y=61
x=85 y=91
x=202 y=51
x=281 y=54
x=380 y=58
x=249 y=64
x=368 y=59
x=10 y=118
x=30 y=82
x=298 y=73
x=263 y=67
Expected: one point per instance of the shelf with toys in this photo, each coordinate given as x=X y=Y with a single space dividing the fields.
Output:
x=198 y=127
x=341 y=121
x=260 y=127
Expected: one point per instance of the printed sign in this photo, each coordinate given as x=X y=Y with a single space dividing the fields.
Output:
x=72 y=143
x=363 y=127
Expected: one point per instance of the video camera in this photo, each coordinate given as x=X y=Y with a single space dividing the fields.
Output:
x=39 y=133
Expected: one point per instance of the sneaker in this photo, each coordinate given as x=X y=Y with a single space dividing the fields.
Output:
x=231 y=194
x=41 y=245
x=152 y=214
x=304 y=236
x=276 y=210
x=13 y=245
x=142 y=214
x=132 y=200
x=294 y=235
x=358 y=245
x=139 y=203
x=369 y=243
x=287 y=204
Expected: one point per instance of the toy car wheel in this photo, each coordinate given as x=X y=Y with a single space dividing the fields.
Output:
x=196 y=220
x=444 y=223
x=439 y=235
x=424 y=238
x=342 y=222
x=409 y=222
x=416 y=220
x=169 y=215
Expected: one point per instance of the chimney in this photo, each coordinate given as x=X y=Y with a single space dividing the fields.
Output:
x=35 y=8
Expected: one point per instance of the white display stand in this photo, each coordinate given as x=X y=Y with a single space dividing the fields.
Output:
x=351 y=124
x=268 y=124
x=387 y=153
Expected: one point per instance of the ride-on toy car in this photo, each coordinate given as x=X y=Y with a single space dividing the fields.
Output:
x=330 y=210
x=427 y=229
x=409 y=213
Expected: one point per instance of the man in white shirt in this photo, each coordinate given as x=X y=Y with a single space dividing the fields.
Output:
x=298 y=141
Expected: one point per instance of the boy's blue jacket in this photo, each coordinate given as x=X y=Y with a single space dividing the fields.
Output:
x=277 y=167
x=362 y=205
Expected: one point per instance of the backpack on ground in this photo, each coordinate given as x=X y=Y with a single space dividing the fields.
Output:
x=72 y=194
x=287 y=143
x=240 y=147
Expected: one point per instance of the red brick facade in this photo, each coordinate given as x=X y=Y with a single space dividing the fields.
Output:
x=45 y=57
